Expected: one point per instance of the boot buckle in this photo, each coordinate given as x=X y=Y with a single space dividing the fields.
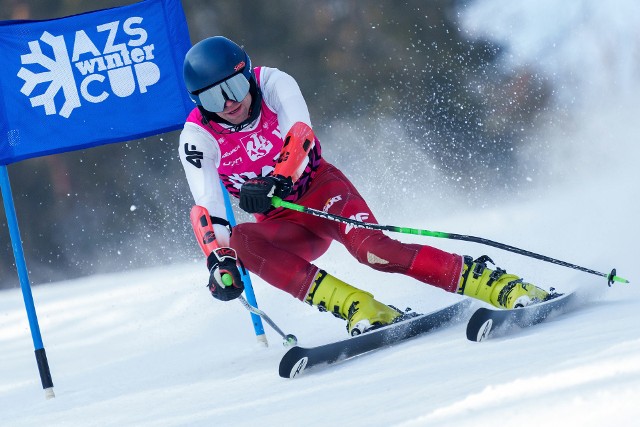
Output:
x=495 y=275
x=480 y=265
x=478 y=269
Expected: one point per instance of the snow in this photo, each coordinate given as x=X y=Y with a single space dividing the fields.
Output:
x=590 y=47
x=152 y=348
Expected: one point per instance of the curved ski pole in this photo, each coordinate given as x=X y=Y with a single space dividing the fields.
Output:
x=277 y=202
x=288 y=339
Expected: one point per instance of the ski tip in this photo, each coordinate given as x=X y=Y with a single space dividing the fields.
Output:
x=293 y=363
x=481 y=332
x=294 y=370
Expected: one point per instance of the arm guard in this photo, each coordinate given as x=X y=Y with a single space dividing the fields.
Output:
x=294 y=154
x=202 y=224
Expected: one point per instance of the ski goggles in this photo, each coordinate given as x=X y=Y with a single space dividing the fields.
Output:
x=234 y=88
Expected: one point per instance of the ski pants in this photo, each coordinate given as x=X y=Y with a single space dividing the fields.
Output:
x=282 y=245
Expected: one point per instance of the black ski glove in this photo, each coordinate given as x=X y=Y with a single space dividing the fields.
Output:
x=256 y=193
x=223 y=262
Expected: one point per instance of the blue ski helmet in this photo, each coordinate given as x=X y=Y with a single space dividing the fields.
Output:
x=212 y=61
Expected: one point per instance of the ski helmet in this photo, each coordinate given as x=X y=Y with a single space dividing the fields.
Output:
x=212 y=70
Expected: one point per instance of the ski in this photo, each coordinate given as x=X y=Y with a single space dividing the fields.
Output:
x=488 y=322
x=299 y=359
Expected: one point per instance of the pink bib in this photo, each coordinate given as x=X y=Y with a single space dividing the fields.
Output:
x=247 y=154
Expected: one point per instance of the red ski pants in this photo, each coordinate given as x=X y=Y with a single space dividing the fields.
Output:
x=280 y=247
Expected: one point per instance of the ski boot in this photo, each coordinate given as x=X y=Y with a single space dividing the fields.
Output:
x=496 y=287
x=358 y=308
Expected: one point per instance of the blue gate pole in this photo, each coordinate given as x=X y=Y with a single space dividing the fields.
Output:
x=248 y=287
x=23 y=276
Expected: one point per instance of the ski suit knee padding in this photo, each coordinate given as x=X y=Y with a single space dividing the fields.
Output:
x=424 y=263
x=380 y=252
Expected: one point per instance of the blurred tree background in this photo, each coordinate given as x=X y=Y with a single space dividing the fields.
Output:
x=404 y=62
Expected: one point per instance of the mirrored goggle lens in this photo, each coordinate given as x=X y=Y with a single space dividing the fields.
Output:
x=234 y=88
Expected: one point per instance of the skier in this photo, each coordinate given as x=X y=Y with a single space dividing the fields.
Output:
x=251 y=129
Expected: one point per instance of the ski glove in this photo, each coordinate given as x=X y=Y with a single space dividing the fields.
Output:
x=256 y=193
x=225 y=283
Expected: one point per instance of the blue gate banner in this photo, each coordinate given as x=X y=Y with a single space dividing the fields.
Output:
x=86 y=80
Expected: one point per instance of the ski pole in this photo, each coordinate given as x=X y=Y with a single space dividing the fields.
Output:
x=289 y=340
x=278 y=202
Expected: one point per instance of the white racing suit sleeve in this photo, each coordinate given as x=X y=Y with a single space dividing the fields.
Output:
x=200 y=157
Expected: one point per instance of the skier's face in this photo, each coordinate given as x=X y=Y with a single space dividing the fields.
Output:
x=236 y=112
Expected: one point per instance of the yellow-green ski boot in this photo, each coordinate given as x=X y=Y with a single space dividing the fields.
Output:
x=496 y=286
x=361 y=311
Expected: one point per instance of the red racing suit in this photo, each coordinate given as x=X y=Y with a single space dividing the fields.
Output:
x=281 y=245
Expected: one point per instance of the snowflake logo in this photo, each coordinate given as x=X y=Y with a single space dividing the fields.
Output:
x=58 y=74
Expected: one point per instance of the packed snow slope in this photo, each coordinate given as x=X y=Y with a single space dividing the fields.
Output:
x=152 y=348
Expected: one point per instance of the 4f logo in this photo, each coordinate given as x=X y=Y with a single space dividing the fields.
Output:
x=193 y=156
x=361 y=216
x=96 y=68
